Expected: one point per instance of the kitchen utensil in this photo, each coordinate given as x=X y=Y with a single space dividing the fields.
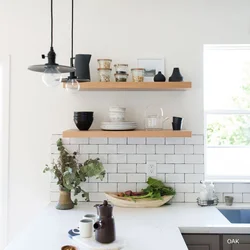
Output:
x=140 y=203
x=137 y=74
x=104 y=63
x=154 y=118
x=68 y=248
x=104 y=74
x=82 y=67
x=229 y=200
x=86 y=228
x=205 y=203
x=121 y=77
x=83 y=123
x=121 y=68
x=105 y=224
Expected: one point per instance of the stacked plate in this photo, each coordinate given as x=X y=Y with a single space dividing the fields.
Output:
x=118 y=126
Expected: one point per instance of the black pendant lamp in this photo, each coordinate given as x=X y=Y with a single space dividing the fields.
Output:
x=52 y=71
x=72 y=85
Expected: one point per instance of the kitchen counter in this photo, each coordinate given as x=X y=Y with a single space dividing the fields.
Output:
x=143 y=229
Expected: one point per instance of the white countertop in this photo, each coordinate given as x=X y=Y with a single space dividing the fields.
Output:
x=143 y=229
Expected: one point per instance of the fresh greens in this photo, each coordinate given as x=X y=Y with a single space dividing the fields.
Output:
x=156 y=189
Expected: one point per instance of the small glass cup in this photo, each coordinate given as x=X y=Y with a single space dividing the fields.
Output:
x=137 y=74
x=104 y=75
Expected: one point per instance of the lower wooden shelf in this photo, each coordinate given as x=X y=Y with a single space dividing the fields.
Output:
x=75 y=133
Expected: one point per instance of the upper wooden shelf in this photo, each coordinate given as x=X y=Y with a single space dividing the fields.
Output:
x=75 y=133
x=135 y=86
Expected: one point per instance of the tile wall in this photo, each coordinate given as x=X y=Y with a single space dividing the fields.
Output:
x=179 y=164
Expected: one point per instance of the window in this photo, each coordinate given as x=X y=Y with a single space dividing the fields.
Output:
x=227 y=112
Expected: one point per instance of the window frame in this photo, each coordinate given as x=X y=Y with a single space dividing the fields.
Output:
x=207 y=112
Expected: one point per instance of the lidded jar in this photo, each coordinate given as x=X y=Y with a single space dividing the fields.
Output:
x=121 y=68
x=137 y=74
x=104 y=63
x=104 y=74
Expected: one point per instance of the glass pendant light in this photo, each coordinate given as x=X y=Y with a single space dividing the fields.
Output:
x=51 y=70
x=72 y=85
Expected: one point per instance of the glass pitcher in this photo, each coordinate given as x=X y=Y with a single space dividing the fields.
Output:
x=154 y=118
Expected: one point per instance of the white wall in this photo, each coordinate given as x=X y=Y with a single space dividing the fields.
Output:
x=123 y=31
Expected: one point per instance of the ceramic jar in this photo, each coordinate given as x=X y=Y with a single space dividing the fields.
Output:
x=137 y=74
x=117 y=114
x=104 y=74
x=104 y=63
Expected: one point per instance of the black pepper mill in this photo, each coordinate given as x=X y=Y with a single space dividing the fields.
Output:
x=105 y=224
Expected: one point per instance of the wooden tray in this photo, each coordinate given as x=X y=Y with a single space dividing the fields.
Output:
x=140 y=203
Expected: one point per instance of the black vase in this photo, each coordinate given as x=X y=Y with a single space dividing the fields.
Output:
x=159 y=77
x=176 y=76
x=82 y=67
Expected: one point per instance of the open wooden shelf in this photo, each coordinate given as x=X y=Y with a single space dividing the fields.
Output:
x=75 y=133
x=167 y=86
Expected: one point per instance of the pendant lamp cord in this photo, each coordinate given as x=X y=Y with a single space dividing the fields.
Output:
x=52 y=23
x=72 y=32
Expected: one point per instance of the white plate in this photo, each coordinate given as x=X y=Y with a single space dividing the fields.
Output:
x=116 y=127
x=119 y=123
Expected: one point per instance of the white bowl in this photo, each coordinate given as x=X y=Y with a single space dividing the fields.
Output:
x=116 y=116
x=117 y=109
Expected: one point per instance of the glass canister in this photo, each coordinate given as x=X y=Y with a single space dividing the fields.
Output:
x=121 y=68
x=121 y=77
x=137 y=74
x=104 y=75
x=104 y=63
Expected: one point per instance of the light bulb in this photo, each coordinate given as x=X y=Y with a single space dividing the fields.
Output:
x=72 y=86
x=51 y=77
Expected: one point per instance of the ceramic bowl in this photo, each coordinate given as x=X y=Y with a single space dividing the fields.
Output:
x=83 y=123
x=117 y=116
x=117 y=109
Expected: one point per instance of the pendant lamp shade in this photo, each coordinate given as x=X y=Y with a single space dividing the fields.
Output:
x=51 y=68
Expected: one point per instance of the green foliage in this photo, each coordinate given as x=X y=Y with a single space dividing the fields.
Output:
x=233 y=129
x=69 y=173
x=156 y=189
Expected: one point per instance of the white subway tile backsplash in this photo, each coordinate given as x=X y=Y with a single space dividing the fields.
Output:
x=100 y=140
x=117 y=158
x=136 y=140
x=194 y=159
x=110 y=167
x=117 y=140
x=165 y=168
x=184 y=149
x=155 y=140
x=184 y=168
x=187 y=188
x=122 y=187
x=142 y=168
x=79 y=141
x=145 y=149
x=195 y=140
x=199 y=168
x=107 y=149
x=164 y=149
x=156 y=158
x=199 y=149
x=191 y=197
x=241 y=188
x=193 y=178
x=174 y=178
x=136 y=177
x=127 y=168
x=180 y=163
x=117 y=178
x=107 y=187
x=126 y=149
x=88 y=149
x=136 y=159
x=175 y=159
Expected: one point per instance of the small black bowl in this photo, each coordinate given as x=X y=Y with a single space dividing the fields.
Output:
x=177 y=126
x=83 y=124
x=177 y=119
x=84 y=113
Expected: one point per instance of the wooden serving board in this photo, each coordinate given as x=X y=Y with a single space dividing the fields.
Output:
x=139 y=203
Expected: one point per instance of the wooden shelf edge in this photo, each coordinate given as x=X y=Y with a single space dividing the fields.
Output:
x=74 y=133
x=134 y=86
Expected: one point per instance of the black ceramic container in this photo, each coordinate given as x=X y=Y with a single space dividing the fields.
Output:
x=159 y=77
x=82 y=67
x=176 y=76
x=177 y=119
x=177 y=126
x=83 y=123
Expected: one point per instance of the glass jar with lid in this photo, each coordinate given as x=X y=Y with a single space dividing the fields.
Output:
x=137 y=74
